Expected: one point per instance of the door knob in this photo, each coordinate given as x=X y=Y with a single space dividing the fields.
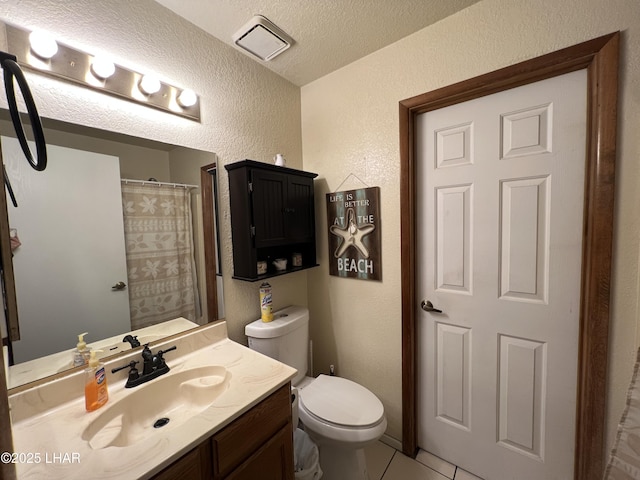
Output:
x=119 y=286
x=428 y=307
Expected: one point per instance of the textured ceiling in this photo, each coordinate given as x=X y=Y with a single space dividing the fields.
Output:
x=328 y=34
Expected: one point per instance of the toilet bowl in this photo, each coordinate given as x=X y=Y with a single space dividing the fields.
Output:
x=340 y=416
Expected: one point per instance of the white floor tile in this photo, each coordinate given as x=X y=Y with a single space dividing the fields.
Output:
x=405 y=468
x=438 y=464
x=464 y=475
x=378 y=456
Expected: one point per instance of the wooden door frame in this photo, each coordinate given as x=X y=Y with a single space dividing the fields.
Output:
x=600 y=57
x=210 y=235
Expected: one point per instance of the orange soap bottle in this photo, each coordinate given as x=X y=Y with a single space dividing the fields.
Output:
x=95 y=386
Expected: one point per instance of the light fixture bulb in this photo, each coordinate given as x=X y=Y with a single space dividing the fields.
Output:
x=187 y=98
x=102 y=67
x=149 y=84
x=43 y=44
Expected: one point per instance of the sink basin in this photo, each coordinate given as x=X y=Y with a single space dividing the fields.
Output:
x=163 y=403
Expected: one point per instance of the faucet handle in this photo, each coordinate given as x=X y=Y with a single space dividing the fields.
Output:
x=162 y=352
x=160 y=356
x=131 y=365
x=134 y=375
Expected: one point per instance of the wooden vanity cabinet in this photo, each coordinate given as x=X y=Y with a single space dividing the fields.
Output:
x=259 y=444
x=272 y=216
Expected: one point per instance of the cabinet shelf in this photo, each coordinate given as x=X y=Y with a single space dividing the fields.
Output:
x=272 y=216
x=274 y=274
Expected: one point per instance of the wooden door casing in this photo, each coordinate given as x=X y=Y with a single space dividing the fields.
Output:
x=600 y=57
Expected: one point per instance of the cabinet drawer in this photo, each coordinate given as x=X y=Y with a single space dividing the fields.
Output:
x=239 y=440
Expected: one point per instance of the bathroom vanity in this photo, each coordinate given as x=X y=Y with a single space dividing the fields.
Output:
x=228 y=411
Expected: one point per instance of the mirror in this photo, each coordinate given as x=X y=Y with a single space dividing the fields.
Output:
x=49 y=327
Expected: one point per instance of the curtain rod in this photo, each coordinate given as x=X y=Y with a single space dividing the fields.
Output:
x=159 y=184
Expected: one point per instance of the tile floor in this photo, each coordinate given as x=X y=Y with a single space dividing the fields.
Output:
x=385 y=463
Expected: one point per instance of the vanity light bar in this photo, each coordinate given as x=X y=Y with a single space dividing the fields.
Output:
x=99 y=73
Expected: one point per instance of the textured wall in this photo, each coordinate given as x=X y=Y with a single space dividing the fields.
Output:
x=350 y=125
x=247 y=111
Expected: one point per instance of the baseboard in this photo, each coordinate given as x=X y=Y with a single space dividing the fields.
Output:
x=392 y=442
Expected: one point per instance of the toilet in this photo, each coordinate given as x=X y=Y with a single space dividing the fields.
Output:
x=341 y=416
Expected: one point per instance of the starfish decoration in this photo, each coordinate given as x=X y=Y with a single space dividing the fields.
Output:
x=352 y=235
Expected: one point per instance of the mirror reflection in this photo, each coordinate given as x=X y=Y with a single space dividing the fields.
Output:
x=108 y=240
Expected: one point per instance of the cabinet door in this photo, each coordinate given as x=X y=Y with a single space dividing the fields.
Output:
x=299 y=212
x=195 y=465
x=239 y=441
x=269 y=200
x=273 y=461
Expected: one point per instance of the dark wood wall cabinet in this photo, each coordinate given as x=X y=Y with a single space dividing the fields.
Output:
x=272 y=217
x=259 y=444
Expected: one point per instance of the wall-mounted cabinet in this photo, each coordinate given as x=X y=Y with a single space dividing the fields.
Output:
x=272 y=216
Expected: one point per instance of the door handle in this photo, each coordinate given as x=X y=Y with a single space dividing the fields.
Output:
x=428 y=307
x=119 y=286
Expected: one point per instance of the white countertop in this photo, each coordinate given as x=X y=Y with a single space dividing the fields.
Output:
x=48 y=420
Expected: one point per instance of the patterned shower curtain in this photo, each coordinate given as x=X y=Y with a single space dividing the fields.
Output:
x=160 y=258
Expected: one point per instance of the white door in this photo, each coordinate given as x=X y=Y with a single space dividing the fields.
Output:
x=500 y=182
x=69 y=221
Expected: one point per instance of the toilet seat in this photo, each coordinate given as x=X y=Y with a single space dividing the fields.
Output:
x=341 y=402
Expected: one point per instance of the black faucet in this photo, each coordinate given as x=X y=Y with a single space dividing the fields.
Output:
x=152 y=367
x=133 y=340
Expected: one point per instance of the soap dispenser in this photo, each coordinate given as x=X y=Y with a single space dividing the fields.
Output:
x=81 y=353
x=95 y=386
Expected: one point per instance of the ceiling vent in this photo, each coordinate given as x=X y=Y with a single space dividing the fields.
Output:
x=262 y=38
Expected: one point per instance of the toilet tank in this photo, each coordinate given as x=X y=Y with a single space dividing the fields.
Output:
x=286 y=338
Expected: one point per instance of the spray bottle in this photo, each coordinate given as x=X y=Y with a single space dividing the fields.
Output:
x=266 y=302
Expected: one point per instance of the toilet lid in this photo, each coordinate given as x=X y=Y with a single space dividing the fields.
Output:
x=341 y=402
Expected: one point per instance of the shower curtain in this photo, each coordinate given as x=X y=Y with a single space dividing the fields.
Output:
x=160 y=254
